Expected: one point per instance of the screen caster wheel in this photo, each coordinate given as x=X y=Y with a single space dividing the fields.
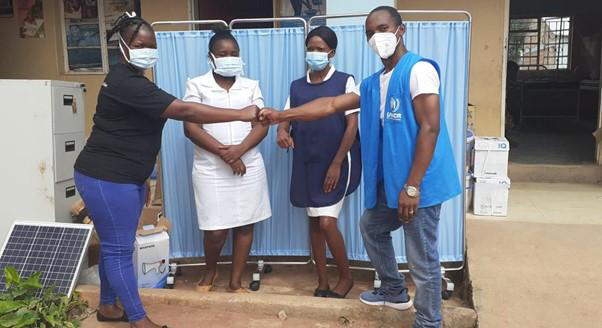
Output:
x=267 y=268
x=254 y=285
x=446 y=294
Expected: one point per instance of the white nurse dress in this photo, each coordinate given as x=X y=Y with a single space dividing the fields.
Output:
x=224 y=200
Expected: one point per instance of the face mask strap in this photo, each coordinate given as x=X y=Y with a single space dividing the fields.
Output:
x=121 y=48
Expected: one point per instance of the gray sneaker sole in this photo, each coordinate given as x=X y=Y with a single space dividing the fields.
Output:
x=397 y=306
x=400 y=306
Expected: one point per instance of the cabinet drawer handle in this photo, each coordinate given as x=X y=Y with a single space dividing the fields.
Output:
x=69 y=191
x=69 y=146
x=67 y=100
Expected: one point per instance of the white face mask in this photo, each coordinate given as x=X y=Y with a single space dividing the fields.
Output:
x=384 y=43
x=142 y=58
x=227 y=66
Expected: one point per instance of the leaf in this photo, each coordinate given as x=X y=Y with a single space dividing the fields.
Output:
x=9 y=306
x=16 y=293
x=27 y=320
x=10 y=320
x=12 y=276
x=33 y=281
x=50 y=318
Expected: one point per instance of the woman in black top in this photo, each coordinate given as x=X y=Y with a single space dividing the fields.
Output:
x=119 y=156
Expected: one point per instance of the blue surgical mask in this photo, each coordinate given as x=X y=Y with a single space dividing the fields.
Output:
x=316 y=60
x=142 y=58
x=227 y=66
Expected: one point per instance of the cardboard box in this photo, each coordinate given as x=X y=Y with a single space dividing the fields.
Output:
x=491 y=196
x=491 y=157
x=151 y=259
x=151 y=249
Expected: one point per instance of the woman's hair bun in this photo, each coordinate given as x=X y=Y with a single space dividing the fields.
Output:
x=220 y=28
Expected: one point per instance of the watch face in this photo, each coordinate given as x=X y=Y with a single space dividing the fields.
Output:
x=411 y=191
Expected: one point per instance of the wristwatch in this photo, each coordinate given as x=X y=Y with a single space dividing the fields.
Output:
x=411 y=191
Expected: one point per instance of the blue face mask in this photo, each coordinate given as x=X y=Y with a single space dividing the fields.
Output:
x=143 y=58
x=316 y=60
x=227 y=66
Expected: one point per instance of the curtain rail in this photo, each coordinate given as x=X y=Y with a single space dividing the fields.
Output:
x=270 y=20
x=190 y=22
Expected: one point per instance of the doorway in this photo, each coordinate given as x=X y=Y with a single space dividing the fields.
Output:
x=228 y=10
x=553 y=81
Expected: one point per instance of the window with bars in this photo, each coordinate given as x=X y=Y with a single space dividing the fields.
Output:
x=540 y=43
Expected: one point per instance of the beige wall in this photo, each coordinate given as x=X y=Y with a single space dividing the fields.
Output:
x=43 y=58
x=487 y=60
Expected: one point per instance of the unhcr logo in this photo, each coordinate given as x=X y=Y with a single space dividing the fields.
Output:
x=393 y=115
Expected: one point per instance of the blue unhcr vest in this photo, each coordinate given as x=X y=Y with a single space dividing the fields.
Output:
x=388 y=150
x=316 y=144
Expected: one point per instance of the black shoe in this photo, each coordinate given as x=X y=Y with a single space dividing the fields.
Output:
x=321 y=292
x=331 y=294
x=102 y=318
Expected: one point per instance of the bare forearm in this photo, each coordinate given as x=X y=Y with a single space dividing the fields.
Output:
x=425 y=147
x=284 y=126
x=311 y=111
x=254 y=138
x=202 y=139
x=322 y=107
x=200 y=113
x=347 y=142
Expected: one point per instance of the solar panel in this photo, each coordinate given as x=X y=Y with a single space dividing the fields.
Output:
x=54 y=249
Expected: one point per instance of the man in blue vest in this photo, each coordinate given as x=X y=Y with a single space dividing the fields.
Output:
x=409 y=167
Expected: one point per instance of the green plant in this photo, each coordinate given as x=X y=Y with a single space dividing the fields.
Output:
x=20 y=307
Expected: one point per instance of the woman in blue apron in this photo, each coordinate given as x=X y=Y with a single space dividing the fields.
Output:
x=326 y=158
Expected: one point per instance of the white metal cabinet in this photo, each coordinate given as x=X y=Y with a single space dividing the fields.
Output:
x=41 y=135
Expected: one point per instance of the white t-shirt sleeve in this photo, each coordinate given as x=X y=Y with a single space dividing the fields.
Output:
x=350 y=88
x=258 y=97
x=192 y=93
x=424 y=79
x=356 y=89
x=288 y=103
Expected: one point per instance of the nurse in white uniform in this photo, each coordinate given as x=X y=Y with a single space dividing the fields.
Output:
x=228 y=173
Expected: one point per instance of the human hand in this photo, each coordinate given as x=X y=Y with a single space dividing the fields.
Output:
x=269 y=116
x=284 y=139
x=249 y=113
x=238 y=168
x=231 y=153
x=332 y=177
x=407 y=206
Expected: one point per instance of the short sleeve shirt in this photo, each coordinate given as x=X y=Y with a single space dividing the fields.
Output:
x=126 y=136
x=424 y=79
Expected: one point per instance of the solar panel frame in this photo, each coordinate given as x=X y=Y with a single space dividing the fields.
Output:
x=72 y=260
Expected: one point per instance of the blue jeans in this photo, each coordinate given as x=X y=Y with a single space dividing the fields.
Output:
x=376 y=225
x=115 y=210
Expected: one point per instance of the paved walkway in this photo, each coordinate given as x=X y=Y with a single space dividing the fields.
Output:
x=542 y=265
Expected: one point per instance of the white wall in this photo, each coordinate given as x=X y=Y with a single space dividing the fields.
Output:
x=334 y=7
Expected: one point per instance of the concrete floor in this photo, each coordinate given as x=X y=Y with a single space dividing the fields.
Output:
x=541 y=266
x=189 y=316
x=287 y=287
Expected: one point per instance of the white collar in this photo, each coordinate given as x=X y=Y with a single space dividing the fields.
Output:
x=327 y=77
x=208 y=80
